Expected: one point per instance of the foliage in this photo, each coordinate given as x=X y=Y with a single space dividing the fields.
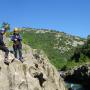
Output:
x=57 y=46
x=82 y=53
x=50 y=44
x=59 y=49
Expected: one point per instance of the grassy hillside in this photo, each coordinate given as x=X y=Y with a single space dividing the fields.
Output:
x=58 y=46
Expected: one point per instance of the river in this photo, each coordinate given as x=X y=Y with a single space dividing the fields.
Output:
x=72 y=86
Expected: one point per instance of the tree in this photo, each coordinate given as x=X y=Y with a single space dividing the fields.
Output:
x=6 y=25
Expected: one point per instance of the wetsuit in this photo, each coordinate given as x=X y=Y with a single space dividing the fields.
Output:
x=17 y=46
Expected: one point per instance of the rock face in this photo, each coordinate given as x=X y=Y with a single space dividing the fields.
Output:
x=80 y=75
x=36 y=73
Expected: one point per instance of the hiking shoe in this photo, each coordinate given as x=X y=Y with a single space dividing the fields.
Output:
x=6 y=62
x=21 y=59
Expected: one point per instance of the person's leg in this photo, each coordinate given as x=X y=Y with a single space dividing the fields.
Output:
x=20 y=52
x=15 y=51
x=5 y=49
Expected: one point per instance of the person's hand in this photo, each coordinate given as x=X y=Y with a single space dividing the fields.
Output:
x=16 y=36
x=15 y=39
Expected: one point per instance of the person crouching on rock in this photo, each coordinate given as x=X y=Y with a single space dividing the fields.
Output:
x=17 y=45
x=2 y=44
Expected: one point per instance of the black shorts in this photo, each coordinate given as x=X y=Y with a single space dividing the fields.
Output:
x=4 y=48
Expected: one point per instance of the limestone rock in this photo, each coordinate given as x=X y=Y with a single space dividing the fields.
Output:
x=36 y=73
x=79 y=74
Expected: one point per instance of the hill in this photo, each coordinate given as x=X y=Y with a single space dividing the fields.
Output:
x=58 y=46
x=36 y=73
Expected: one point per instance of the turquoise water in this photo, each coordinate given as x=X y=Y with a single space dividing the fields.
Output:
x=73 y=86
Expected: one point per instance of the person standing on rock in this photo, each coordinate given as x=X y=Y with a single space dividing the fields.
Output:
x=3 y=47
x=17 y=45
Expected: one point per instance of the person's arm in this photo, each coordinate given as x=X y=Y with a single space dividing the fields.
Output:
x=2 y=43
x=1 y=39
x=19 y=38
x=12 y=38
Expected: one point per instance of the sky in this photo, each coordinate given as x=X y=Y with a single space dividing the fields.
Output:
x=69 y=16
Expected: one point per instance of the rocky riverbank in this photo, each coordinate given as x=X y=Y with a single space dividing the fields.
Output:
x=78 y=75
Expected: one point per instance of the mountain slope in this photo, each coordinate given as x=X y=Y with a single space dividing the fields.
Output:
x=36 y=73
x=58 y=46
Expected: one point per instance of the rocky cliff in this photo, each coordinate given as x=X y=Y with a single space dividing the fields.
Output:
x=79 y=74
x=36 y=73
x=58 y=46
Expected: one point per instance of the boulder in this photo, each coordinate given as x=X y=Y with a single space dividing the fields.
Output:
x=35 y=73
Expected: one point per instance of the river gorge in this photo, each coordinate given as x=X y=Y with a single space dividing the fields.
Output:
x=77 y=78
